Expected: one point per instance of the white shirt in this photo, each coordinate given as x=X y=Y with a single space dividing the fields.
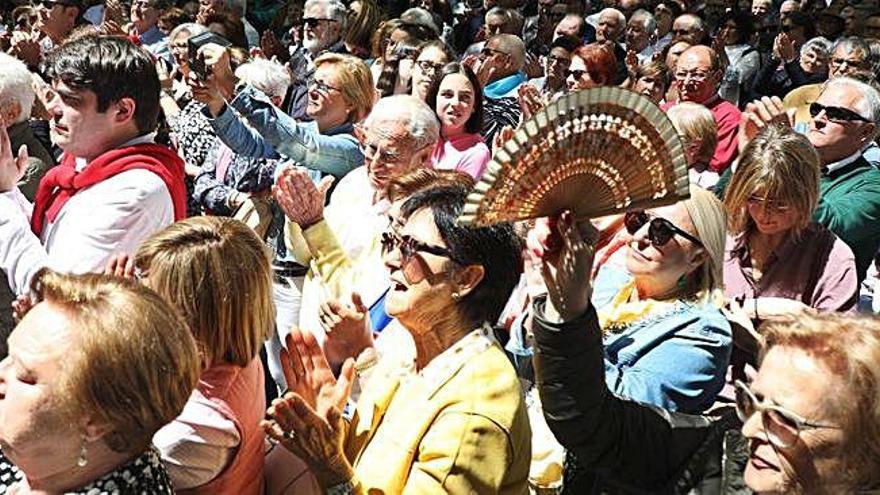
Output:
x=110 y=217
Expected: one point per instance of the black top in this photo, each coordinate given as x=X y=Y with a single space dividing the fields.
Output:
x=143 y=474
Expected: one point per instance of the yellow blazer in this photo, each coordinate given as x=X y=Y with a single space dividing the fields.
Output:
x=458 y=426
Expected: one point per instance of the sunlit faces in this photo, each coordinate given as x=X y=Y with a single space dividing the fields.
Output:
x=144 y=15
x=557 y=63
x=609 y=27
x=430 y=291
x=578 y=76
x=760 y=8
x=326 y=102
x=838 y=139
x=792 y=379
x=389 y=151
x=77 y=127
x=771 y=216
x=845 y=63
x=662 y=266
x=637 y=37
x=697 y=80
x=319 y=30
x=652 y=86
x=428 y=65
x=813 y=62
x=495 y=24
x=180 y=50
x=674 y=53
x=455 y=103
x=31 y=416
x=568 y=26
x=55 y=18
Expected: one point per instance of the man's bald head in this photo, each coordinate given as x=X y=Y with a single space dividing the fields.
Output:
x=698 y=74
x=511 y=45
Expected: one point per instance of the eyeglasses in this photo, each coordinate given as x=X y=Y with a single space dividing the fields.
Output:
x=660 y=230
x=783 y=427
x=489 y=52
x=770 y=205
x=313 y=22
x=681 y=32
x=576 y=74
x=558 y=60
x=409 y=247
x=835 y=114
x=429 y=67
x=851 y=63
x=694 y=76
x=320 y=86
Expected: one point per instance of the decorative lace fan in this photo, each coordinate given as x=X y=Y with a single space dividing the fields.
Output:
x=596 y=152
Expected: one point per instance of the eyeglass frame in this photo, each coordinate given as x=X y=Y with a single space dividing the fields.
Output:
x=491 y=52
x=320 y=86
x=768 y=204
x=799 y=422
x=817 y=108
x=653 y=223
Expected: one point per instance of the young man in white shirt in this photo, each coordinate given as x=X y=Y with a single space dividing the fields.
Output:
x=114 y=186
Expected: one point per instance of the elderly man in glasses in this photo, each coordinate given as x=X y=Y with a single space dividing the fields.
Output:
x=697 y=76
x=343 y=239
x=144 y=21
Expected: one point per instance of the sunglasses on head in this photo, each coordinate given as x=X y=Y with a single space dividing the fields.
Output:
x=836 y=114
x=660 y=230
x=782 y=427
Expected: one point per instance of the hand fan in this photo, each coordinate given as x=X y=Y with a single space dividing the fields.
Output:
x=595 y=152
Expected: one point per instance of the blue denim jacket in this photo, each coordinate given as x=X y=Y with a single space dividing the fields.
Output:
x=274 y=134
x=676 y=360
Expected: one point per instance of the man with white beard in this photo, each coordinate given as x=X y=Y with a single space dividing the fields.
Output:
x=323 y=24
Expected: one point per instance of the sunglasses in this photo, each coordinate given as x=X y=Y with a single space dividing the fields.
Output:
x=836 y=114
x=783 y=427
x=409 y=249
x=681 y=32
x=771 y=205
x=660 y=230
x=576 y=74
x=488 y=52
x=313 y=22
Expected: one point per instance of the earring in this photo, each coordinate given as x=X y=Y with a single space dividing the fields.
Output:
x=456 y=296
x=81 y=461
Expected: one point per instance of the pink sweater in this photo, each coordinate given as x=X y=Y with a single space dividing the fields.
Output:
x=465 y=153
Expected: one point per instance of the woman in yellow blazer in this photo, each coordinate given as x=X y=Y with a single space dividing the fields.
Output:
x=456 y=425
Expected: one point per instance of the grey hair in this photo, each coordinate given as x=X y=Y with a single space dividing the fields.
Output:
x=421 y=17
x=869 y=104
x=852 y=44
x=696 y=21
x=817 y=44
x=334 y=9
x=191 y=28
x=420 y=121
x=621 y=19
x=271 y=78
x=15 y=86
x=647 y=19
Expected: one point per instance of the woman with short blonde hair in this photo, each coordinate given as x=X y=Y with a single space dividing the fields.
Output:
x=777 y=257
x=355 y=82
x=94 y=369
x=699 y=134
x=215 y=270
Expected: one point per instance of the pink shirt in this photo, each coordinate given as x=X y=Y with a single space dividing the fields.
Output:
x=817 y=269
x=727 y=119
x=465 y=153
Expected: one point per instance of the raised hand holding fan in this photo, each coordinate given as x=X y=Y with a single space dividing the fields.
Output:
x=595 y=152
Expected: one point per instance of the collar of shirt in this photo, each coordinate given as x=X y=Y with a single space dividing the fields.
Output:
x=833 y=167
x=448 y=362
x=142 y=139
x=151 y=36
x=505 y=86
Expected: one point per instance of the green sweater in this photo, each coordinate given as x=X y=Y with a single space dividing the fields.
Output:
x=849 y=206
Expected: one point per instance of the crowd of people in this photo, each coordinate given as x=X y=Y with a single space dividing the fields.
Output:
x=233 y=262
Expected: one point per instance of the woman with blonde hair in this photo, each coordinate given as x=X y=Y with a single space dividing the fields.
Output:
x=699 y=134
x=215 y=270
x=94 y=369
x=777 y=258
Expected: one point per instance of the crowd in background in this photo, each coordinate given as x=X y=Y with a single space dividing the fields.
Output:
x=233 y=262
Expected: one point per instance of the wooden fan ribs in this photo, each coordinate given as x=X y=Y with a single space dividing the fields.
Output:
x=596 y=152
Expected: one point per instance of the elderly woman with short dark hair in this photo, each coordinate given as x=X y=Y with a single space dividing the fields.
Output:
x=458 y=423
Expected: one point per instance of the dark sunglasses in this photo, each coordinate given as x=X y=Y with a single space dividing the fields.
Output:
x=488 y=52
x=313 y=22
x=660 y=230
x=681 y=32
x=429 y=67
x=576 y=74
x=836 y=114
x=409 y=247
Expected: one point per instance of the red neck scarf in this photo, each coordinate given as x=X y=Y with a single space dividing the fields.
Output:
x=63 y=181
